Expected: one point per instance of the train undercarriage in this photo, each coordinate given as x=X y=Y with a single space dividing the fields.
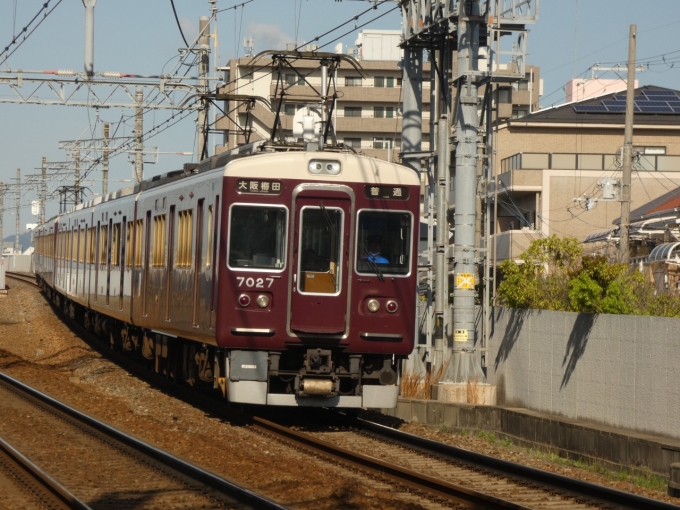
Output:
x=306 y=376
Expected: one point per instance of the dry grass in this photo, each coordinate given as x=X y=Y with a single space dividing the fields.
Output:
x=471 y=388
x=414 y=385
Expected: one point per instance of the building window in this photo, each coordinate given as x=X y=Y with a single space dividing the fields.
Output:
x=353 y=142
x=518 y=113
x=383 y=143
x=389 y=82
x=294 y=79
x=504 y=95
x=352 y=81
x=521 y=85
x=290 y=109
x=379 y=81
x=380 y=112
x=352 y=111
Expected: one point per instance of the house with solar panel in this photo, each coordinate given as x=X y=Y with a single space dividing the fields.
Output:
x=558 y=168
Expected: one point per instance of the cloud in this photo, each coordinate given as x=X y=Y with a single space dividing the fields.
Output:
x=267 y=37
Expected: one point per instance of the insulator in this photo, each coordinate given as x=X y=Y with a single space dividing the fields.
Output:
x=65 y=72
x=111 y=74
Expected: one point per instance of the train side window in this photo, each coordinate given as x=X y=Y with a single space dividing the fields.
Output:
x=208 y=254
x=81 y=245
x=139 y=236
x=184 y=237
x=320 y=249
x=384 y=242
x=91 y=246
x=128 y=244
x=115 y=245
x=103 y=244
x=158 y=255
x=257 y=237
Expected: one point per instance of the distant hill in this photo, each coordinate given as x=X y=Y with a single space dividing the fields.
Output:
x=24 y=240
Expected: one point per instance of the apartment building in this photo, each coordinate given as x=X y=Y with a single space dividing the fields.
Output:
x=367 y=113
x=551 y=167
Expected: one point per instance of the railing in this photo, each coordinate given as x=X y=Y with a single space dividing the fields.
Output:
x=572 y=161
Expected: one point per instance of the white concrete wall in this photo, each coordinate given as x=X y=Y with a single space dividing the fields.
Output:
x=619 y=370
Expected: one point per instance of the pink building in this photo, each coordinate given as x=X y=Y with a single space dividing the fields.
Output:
x=584 y=88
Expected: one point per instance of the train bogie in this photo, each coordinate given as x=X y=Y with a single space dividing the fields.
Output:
x=282 y=278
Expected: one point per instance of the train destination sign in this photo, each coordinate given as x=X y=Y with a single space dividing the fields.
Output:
x=259 y=186
x=386 y=192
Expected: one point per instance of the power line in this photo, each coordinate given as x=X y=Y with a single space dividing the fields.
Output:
x=179 y=26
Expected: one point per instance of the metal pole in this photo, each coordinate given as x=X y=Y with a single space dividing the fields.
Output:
x=43 y=190
x=466 y=365
x=139 y=127
x=76 y=177
x=324 y=96
x=624 y=248
x=2 y=213
x=105 y=161
x=442 y=277
x=18 y=212
x=89 y=37
x=203 y=70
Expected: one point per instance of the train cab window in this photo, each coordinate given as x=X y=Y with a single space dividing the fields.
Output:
x=320 y=250
x=384 y=243
x=257 y=237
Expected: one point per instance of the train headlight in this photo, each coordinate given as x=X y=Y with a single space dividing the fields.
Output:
x=262 y=301
x=373 y=305
x=244 y=300
x=315 y=167
x=333 y=167
x=324 y=166
x=391 y=306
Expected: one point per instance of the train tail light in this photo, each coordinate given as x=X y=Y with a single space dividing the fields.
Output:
x=244 y=300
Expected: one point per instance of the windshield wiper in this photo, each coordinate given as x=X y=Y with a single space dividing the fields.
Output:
x=371 y=263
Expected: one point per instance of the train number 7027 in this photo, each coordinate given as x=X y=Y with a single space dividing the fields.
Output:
x=258 y=283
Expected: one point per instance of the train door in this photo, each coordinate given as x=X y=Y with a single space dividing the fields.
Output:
x=320 y=262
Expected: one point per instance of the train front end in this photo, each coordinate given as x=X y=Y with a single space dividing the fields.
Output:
x=317 y=279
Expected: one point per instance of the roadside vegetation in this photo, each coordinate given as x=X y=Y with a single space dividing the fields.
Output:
x=555 y=274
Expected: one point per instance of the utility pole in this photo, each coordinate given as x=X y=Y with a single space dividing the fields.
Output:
x=627 y=156
x=2 y=213
x=139 y=127
x=76 y=175
x=43 y=190
x=18 y=211
x=203 y=86
x=105 y=161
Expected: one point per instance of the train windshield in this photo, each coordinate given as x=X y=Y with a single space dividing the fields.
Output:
x=257 y=237
x=384 y=243
x=320 y=249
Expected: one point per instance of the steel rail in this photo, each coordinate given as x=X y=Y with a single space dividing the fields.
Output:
x=22 y=278
x=241 y=494
x=413 y=480
x=513 y=470
x=52 y=489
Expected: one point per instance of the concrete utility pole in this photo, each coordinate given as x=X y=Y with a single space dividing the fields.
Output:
x=2 y=212
x=139 y=128
x=105 y=161
x=203 y=84
x=627 y=156
x=43 y=190
x=89 y=37
x=18 y=211
x=465 y=364
x=76 y=176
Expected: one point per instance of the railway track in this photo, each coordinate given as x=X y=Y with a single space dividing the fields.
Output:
x=22 y=277
x=103 y=466
x=24 y=485
x=442 y=475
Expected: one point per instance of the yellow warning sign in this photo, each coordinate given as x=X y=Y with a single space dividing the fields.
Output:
x=460 y=335
x=465 y=281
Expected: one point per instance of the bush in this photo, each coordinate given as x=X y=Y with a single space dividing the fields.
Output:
x=554 y=274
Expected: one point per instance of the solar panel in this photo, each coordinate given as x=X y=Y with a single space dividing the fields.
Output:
x=676 y=109
x=655 y=109
x=657 y=93
x=614 y=103
x=590 y=108
x=618 y=97
x=654 y=103
x=617 y=108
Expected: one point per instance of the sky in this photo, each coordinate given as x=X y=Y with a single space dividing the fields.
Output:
x=142 y=37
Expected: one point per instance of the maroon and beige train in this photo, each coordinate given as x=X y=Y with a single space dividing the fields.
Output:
x=282 y=278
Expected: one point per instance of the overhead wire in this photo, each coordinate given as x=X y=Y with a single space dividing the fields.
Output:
x=179 y=26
